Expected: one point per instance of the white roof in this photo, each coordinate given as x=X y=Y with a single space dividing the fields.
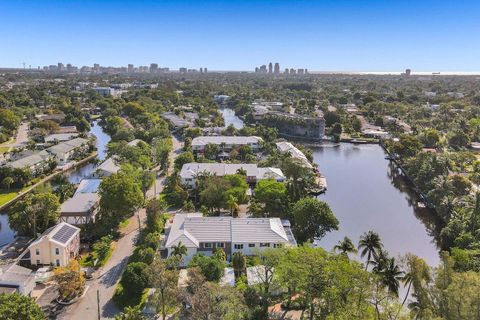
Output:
x=60 y=137
x=285 y=147
x=229 y=140
x=109 y=166
x=67 y=146
x=88 y=186
x=80 y=203
x=134 y=142
x=28 y=161
x=193 y=228
x=191 y=170
x=16 y=274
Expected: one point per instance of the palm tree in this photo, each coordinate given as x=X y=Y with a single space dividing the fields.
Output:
x=391 y=276
x=232 y=203
x=7 y=182
x=242 y=172
x=179 y=250
x=407 y=281
x=239 y=263
x=345 y=246
x=379 y=261
x=368 y=245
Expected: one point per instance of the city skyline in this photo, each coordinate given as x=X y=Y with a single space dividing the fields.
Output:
x=321 y=36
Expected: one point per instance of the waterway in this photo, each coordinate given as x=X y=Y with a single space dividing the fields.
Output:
x=230 y=117
x=365 y=193
x=74 y=176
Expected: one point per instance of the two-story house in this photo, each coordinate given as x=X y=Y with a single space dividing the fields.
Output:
x=56 y=246
x=191 y=171
x=226 y=143
x=247 y=235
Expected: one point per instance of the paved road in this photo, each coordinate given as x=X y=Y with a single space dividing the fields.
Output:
x=21 y=137
x=106 y=278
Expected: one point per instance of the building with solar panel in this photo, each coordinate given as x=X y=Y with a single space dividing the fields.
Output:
x=56 y=246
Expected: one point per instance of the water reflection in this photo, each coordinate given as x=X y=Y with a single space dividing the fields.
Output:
x=230 y=118
x=365 y=194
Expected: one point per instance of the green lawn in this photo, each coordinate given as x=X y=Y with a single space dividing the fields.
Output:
x=6 y=196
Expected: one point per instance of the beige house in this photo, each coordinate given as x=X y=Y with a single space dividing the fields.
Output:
x=56 y=246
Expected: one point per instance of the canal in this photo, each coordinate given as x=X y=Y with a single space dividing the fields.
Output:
x=230 y=117
x=74 y=176
x=365 y=193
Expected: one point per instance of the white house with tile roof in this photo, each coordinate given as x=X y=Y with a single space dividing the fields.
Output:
x=190 y=172
x=247 y=235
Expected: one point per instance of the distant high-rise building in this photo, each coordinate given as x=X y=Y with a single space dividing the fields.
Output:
x=130 y=68
x=270 y=67
x=286 y=71
x=96 y=67
x=292 y=71
x=276 y=69
x=300 y=71
x=153 y=68
x=182 y=70
x=60 y=67
x=263 y=68
x=408 y=72
x=205 y=70
x=201 y=70
x=306 y=70
x=256 y=70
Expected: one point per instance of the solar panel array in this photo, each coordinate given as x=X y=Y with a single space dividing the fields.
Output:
x=65 y=233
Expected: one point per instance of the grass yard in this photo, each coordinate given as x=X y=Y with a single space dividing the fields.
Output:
x=6 y=196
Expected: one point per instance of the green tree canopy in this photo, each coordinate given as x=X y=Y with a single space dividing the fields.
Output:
x=312 y=219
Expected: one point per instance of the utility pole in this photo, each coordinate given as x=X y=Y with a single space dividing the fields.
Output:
x=138 y=217
x=98 y=304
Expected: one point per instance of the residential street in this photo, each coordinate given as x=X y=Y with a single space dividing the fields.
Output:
x=106 y=278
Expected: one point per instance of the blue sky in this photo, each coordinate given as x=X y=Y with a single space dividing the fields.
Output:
x=335 y=35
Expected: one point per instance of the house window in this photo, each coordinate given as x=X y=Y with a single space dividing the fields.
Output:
x=58 y=263
x=207 y=245
x=57 y=251
x=37 y=252
x=264 y=244
x=220 y=245
x=251 y=245
x=277 y=245
x=238 y=246
x=38 y=262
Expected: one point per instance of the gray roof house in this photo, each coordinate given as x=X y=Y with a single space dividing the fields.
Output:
x=83 y=206
x=199 y=143
x=14 y=278
x=190 y=171
x=247 y=235
x=65 y=150
x=107 y=168
x=35 y=162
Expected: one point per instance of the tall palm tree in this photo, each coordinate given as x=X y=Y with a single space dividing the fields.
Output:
x=407 y=282
x=345 y=246
x=379 y=261
x=232 y=203
x=368 y=245
x=179 y=250
x=391 y=276
x=239 y=263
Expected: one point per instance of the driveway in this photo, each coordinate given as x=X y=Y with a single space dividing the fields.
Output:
x=107 y=277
